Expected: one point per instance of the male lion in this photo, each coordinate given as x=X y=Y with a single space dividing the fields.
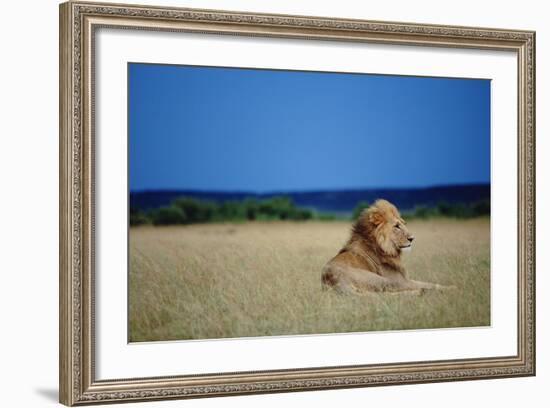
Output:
x=371 y=259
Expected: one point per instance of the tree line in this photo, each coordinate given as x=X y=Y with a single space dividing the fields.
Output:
x=189 y=210
x=443 y=209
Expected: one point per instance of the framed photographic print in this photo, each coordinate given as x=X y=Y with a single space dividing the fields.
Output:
x=256 y=203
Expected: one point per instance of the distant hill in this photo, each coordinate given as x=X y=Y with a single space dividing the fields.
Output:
x=335 y=201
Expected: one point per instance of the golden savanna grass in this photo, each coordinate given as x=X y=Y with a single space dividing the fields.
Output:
x=263 y=279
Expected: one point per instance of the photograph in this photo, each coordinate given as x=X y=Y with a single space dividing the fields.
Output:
x=267 y=202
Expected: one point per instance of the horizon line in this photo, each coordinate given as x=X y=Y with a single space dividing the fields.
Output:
x=313 y=190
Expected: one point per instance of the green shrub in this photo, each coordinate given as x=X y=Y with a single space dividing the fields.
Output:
x=422 y=212
x=138 y=217
x=325 y=217
x=302 y=214
x=251 y=208
x=231 y=210
x=482 y=208
x=277 y=207
x=168 y=216
x=461 y=210
x=361 y=205
x=196 y=210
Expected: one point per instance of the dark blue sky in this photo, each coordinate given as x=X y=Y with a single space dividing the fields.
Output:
x=264 y=130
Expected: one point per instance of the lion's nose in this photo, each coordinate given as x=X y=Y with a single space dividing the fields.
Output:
x=411 y=238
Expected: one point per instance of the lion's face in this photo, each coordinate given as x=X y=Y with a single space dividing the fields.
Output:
x=401 y=237
x=388 y=228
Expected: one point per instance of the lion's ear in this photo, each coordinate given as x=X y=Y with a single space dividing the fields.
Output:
x=375 y=216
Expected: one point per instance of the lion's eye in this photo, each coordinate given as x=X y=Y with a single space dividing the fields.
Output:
x=397 y=226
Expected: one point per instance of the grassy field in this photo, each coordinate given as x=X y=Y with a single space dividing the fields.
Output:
x=263 y=279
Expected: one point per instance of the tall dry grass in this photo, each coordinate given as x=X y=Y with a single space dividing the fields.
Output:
x=263 y=279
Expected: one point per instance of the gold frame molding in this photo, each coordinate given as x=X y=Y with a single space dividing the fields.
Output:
x=78 y=22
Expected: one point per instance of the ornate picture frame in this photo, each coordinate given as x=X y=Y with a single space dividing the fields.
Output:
x=78 y=24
